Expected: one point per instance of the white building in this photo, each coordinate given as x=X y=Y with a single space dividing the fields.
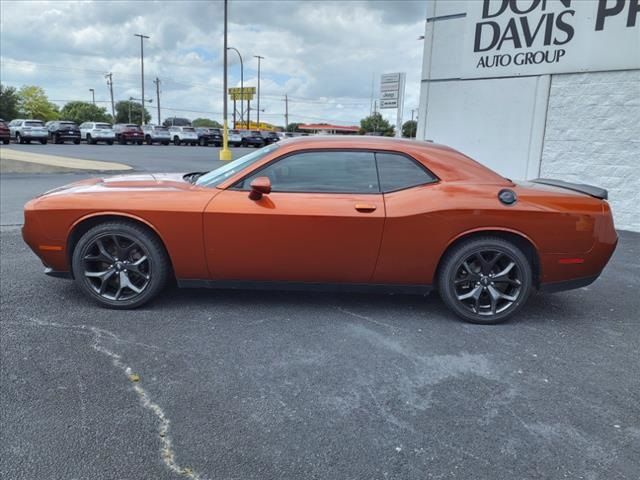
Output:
x=539 y=88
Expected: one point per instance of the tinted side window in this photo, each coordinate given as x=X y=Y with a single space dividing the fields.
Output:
x=328 y=172
x=398 y=172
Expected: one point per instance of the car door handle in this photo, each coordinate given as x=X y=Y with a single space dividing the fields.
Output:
x=365 y=207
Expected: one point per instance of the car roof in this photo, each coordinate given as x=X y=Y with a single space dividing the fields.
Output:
x=446 y=162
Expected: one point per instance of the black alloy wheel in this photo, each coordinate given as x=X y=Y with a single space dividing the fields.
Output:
x=485 y=280
x=121 y=265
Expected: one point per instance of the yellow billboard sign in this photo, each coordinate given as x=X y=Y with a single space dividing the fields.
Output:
x=238 y=93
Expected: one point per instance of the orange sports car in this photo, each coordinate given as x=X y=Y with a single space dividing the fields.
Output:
x=360 y=213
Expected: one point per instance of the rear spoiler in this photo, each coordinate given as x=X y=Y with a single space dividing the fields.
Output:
x=596 y=192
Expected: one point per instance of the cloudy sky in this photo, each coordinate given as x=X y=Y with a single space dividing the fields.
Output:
x=323 y=55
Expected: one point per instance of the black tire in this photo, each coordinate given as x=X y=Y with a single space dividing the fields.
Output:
x=19 y=138
x=148 y=140
x=176 y=141
x=109 y=142
x=90 y=140
x=154 y=276
x=121 y=140
x=56 y=139
x=139 y=142
x=76 y=141
x=43 y=141
x=5 y=141
x=458 y=276
x=165 y=143
x=28 y=141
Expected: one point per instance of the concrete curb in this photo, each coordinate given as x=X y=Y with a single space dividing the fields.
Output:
x=62 y=162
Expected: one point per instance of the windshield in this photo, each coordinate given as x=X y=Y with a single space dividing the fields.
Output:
x=217 y=176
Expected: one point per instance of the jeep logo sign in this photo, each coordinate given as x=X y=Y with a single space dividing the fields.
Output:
x=534 y=37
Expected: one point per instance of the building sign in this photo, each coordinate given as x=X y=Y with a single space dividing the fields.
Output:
x=237 y=93
x=392 y=95
x=534 y=37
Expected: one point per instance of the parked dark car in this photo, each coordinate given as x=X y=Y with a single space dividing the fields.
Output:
x=128 y=132
x=270 y=137
x=177 y=122
x=61 y=131
x=5 y=134
x=209 y=136
x=252 y=138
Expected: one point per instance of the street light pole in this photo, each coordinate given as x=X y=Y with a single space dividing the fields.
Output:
x=225 y=153
x=241 y=83
x=142 y=37
x=93 y=96
x=259 y=58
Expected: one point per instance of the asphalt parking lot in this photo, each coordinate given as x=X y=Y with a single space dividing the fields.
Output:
x=273 y=385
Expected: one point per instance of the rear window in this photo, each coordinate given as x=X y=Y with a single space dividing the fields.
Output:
x=103 y=125
x=188 y=129
x=34 y=124
x=398 y=172
x=68 y=124
x=161 y=129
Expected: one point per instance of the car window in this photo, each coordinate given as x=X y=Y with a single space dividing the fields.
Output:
x=217 y=176
x=33 y=124
x=398 y=172
x=322 y=172
x=103 y=125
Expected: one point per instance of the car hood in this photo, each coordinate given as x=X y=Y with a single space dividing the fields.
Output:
x=118 y=183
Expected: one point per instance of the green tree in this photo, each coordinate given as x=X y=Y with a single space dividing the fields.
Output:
x=8 y=103
x=205 y=122
x=81 y=112
x=33 y=103
x=375 y=124
x=409 y=129
x=293 y=127
x=122 y=112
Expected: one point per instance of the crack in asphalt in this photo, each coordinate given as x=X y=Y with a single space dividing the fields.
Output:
x=167 y=451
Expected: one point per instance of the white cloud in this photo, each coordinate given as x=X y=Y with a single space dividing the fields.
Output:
x=321 y=54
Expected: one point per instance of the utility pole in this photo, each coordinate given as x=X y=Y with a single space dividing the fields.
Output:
x=157 y=82
x=286 y=112
x=241 y=88
x=413 y=130
x=109 y=77
x=142 y=37
x=259 y=58
x=93 y=96
x=225 y=153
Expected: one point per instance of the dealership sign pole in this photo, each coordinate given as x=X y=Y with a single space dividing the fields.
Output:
x=392 y=95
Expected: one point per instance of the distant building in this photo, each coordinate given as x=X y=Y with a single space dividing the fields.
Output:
x=326 y=129
x=538 y=89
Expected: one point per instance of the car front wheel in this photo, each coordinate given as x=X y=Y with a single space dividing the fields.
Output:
x=485 y=280
x=176 y=140
x=120 y=265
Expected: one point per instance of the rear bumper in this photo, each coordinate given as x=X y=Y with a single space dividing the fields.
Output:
x=568 y=284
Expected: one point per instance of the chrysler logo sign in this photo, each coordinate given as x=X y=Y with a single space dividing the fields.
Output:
x=516 y=37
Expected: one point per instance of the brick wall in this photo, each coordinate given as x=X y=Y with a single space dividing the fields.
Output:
x=592 y=135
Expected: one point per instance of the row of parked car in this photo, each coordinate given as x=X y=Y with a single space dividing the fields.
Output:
x=26 y=131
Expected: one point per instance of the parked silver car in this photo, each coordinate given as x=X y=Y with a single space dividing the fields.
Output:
x=94 y=132
x=23 y=131
x=156 y=134
x=181 y=135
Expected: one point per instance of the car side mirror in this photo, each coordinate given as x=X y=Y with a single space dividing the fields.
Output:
x=259 y=187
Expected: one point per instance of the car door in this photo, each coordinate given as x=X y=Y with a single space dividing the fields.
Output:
x=322 y=221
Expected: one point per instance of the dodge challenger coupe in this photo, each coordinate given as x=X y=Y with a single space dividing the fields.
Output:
x=357 y=213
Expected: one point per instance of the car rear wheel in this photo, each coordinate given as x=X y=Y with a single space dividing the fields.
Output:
x=5 y=141
x=76 y=141
x=120 y=265
x=176 y=141
x=109 y=142
x=43 y=141
x=485 y=280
